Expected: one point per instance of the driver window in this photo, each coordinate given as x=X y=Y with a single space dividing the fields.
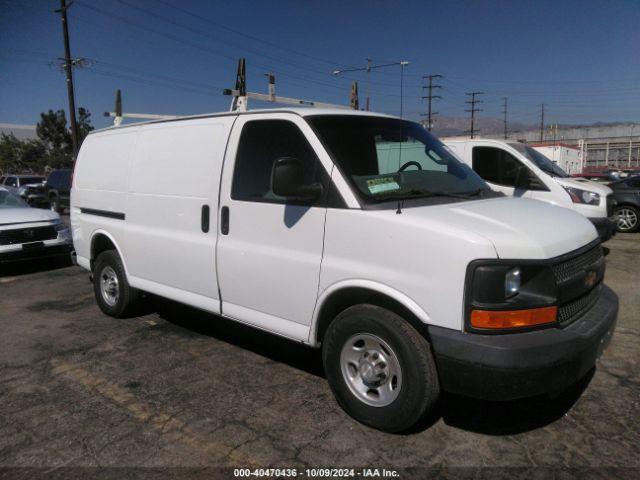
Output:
x=262 y=142
x=495 y=165
x=393 y=155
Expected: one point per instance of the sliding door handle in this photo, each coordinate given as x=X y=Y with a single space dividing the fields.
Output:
x=224 y=220
x=204 y=218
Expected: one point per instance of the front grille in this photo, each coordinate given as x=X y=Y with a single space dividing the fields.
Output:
x=27 y=235
x=570 y=268
x=572 y=310
x=611 y=204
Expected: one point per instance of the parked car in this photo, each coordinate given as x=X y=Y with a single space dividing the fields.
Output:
x=521 y=171
x=27 y=233
x=627 y=195
x=354 y=232
x=58 y=188
x=28 y=187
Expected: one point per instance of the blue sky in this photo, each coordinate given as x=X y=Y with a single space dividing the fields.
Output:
x=580 y=58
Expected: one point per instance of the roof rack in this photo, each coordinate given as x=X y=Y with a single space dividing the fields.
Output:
x=240 y=102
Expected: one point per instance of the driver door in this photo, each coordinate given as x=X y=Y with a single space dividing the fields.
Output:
x=269 y=251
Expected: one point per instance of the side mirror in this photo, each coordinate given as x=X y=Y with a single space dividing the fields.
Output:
x=288 y=181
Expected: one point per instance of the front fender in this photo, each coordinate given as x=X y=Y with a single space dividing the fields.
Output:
x=380 y=288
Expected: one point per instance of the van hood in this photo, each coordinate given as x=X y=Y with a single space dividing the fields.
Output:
x=9 y=216
x=584 y=184
x=518 y=228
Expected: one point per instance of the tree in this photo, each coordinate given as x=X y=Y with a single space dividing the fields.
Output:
x=84 y=124
x=52 y=149
x=52 y=131
x=21 y=156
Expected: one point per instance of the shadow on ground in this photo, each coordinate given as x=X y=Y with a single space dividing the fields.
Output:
x=479 y=416
x=28 y=267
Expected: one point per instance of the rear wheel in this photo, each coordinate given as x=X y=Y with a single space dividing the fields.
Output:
x=628 y=218
x=114 y=295
x=380 y=368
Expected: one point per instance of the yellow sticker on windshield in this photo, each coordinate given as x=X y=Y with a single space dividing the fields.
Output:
x=381 y=185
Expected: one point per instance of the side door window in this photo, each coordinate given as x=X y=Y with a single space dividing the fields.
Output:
x=262 y=142
x=12 y=182
x=633 y=183
x=495 y=165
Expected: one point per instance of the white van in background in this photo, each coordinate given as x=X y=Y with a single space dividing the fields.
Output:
x=521 y=171
x=351 y=231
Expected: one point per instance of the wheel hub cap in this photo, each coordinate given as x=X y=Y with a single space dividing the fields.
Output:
x=371 y=369
x=109 y=286
x=627 y=219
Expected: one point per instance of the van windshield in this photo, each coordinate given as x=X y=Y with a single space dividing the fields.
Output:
x=542 y=162
x=392 y=159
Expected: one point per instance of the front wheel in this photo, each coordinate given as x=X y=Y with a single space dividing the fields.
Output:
x=628 y=218
x=114 y=295
x=380 y=368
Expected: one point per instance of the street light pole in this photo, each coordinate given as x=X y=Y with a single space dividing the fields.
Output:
x=368 y=69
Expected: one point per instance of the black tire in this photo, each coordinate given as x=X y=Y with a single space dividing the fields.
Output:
x=55 y=206
x=125 y=304
x=634 y=210
x=419 y=389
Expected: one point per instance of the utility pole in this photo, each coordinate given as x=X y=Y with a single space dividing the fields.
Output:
x=430 y=96
x=542 y=122
x=473 y=110
x=504 y=111
x=68 y=68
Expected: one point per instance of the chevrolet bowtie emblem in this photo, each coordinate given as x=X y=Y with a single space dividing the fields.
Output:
x=590 y=279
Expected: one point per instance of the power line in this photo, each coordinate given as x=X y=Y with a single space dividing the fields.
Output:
x=430 y=96
x=473 y=111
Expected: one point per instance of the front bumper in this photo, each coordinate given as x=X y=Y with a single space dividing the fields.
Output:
x=36 y=252
x=518 y=365
x=605 y=226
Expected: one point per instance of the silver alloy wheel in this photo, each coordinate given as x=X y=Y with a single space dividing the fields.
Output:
x=109 y=286
x=627 y=219
x=371 y=369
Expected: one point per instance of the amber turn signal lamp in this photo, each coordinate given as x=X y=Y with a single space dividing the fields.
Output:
x=513 y=318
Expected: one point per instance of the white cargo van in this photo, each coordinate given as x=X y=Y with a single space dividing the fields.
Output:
x=354 y=232
x=519 y=170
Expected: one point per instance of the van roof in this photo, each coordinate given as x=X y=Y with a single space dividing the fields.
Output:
x=302 y=111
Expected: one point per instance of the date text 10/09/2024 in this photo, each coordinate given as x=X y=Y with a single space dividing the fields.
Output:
x=316 y=472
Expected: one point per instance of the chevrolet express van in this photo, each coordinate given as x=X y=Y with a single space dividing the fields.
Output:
x=355 y=232
x=519 y=170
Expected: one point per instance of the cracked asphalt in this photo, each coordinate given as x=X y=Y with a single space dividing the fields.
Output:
x=176 y=387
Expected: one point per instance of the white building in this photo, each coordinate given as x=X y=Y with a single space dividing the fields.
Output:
x=568 y=157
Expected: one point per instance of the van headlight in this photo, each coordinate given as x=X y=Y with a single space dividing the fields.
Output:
x=501 y=296
x=583 y=196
